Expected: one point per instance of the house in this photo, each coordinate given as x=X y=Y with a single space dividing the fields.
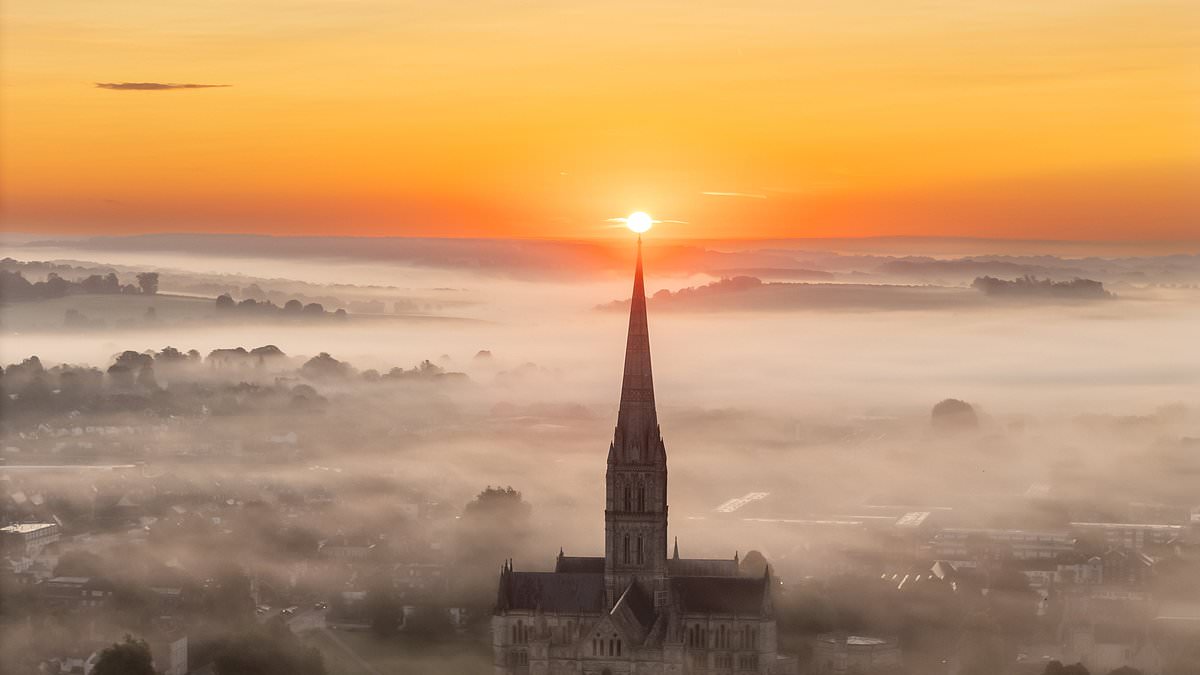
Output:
x=72 y=593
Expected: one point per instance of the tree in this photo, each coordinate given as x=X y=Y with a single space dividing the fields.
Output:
x=324 y=366
x=428 y=623
x=494 y=526
x=148 y=282
x=954 y=415
x=383 y=609
x=225 y=301
x=131 y=657
x=273 y=651
x=79 y=563
x=754 y=564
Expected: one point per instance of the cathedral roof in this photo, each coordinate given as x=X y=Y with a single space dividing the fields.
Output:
x=634 y=613
x=580 y=564
x=698 y=567
x=720 y=595
x=566 y=593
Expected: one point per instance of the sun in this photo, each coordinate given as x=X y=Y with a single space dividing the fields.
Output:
x=639 y=221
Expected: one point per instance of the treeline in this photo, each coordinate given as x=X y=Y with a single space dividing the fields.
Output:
x=170 y=381
x=1031 y=286
x=14 y=287
x=292 y=308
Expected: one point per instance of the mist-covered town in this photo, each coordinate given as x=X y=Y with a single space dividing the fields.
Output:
x=325 y=502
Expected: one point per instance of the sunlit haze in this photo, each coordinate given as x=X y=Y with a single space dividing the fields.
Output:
x=600 y=337
x=1077 y=119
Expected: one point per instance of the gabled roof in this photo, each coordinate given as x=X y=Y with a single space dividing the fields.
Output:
x=721 y=595
x=579 y=564
x=700 y=567
x=633 y=614
x=568 y=593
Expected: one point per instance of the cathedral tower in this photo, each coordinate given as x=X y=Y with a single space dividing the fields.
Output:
x=635 y=515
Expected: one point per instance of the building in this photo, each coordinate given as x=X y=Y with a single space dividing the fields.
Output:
x=344 y=547
x=76 y=592
x=1132 y=536
x=169 y=651
x=839 y=653
x=27 y=539
x=971 y=545
x=637 y=609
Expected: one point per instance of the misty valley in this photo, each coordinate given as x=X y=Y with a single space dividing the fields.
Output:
x=313 y=456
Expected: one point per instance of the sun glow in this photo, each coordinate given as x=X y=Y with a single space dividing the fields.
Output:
x=639 y=221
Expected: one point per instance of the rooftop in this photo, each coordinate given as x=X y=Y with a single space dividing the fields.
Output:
x=1132 y=526
x=25 y=528
x=912 y=519
x=855 y=640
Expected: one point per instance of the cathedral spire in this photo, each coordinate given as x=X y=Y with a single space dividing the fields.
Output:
x=635 y=510
x=637 y=421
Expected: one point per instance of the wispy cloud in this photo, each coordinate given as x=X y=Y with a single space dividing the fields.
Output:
x=155 y=86
x=745 y=195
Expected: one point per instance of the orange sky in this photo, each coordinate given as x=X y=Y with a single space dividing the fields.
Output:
x=1073 y=119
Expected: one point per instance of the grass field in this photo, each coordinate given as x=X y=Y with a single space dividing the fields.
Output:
x=114 y=310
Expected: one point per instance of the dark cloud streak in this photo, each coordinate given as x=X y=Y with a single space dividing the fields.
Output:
x=154 y=86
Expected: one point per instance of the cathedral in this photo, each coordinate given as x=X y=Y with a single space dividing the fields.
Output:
x=638 y=609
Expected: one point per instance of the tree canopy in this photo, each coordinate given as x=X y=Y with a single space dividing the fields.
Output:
x=130 y=657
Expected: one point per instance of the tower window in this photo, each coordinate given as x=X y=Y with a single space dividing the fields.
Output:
x=640 y=557
x=641 y=498
x=626 y=549
x=628 y=503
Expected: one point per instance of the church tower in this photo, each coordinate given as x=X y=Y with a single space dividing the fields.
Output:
x=635 y=514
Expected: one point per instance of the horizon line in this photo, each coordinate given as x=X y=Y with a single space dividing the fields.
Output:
x=51 y=238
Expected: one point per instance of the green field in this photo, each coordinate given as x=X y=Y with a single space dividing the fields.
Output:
x=117 y=311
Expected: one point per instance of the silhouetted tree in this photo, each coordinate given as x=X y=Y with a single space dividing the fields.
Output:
x=494 y=526
x=754 y=564
x=954 y=415
x=428 y=623
x=1028 y=286
x=383 y=609
x=148 y=282
x=131 y=657
x=324 y=366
